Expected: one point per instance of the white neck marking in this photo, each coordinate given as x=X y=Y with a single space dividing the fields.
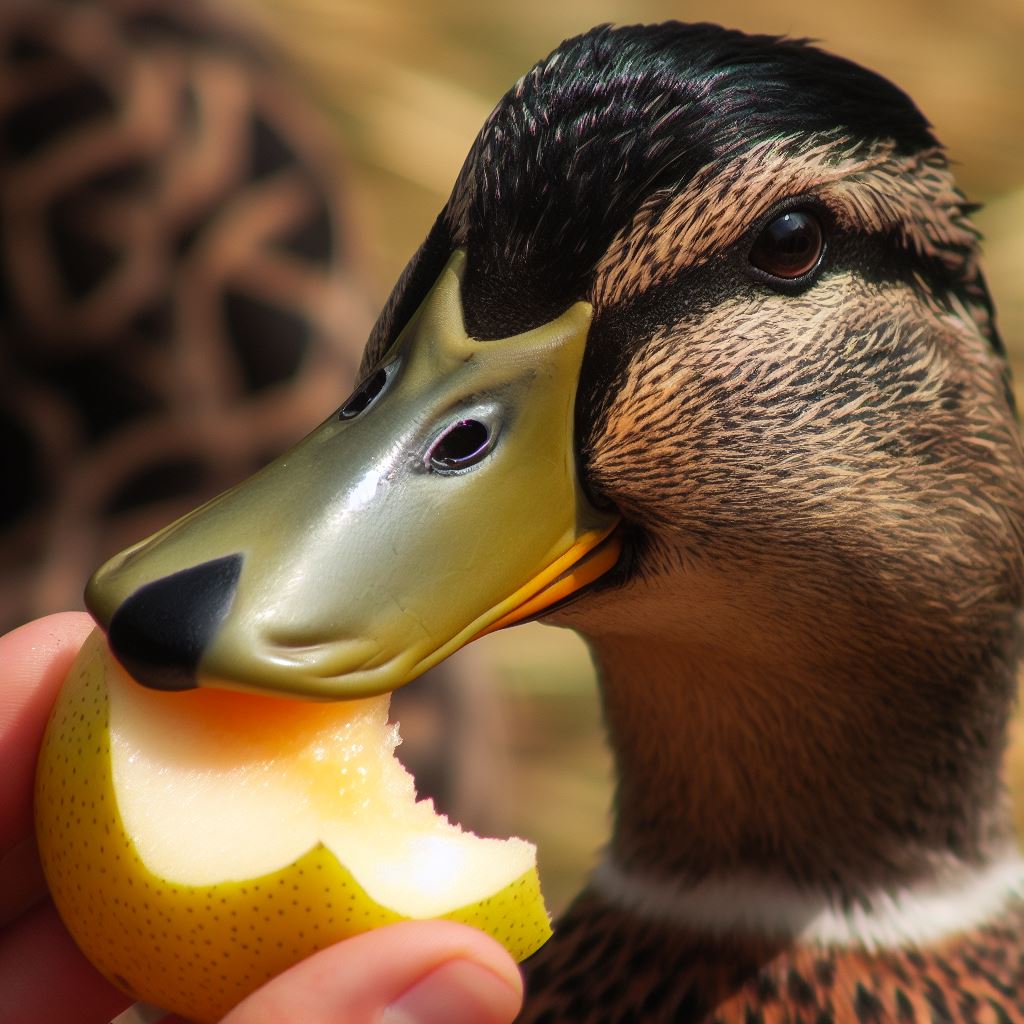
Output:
x=965 y=897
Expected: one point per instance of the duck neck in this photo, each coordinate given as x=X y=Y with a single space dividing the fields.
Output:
x=837 y=779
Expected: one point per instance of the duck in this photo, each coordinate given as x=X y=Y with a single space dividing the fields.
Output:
x=698 y=360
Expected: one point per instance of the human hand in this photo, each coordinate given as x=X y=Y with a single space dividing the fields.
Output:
x=417 y=972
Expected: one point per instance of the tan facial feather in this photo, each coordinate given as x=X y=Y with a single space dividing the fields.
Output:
x=800 y=379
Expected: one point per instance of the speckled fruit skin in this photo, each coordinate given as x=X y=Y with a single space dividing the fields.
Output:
x=199 y=950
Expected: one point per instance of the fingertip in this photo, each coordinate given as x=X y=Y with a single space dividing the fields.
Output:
x=357 y=980
x=449 y=939
x=458 y=992
x=53 y=629
x=34 y=659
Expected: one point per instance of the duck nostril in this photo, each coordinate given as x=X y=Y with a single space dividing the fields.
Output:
x=461 y=446
x=364 y=395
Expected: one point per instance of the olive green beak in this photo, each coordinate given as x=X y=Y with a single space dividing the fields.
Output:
x=440 y=503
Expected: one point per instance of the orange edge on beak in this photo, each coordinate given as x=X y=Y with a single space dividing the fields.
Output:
x=590 y=557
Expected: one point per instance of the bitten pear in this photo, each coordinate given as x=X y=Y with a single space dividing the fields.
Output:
x=199 y=843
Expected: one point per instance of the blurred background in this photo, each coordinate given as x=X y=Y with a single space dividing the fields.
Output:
x=204 y=205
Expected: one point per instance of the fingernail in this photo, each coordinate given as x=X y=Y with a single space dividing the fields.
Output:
x=458 y=992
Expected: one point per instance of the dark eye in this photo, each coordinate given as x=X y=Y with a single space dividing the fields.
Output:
x=364 y=395
x=790 y=246
x=464 y=444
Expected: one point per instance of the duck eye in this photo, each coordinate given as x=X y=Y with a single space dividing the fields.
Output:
x=464 y=444
x=364 y=395
x=790 y=246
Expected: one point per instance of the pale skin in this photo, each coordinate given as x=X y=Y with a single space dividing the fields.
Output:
x=423 y=972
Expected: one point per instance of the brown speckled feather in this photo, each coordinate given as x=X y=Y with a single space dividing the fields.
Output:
x=607 y=967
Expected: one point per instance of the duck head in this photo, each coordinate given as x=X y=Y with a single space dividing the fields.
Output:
x=698 y=360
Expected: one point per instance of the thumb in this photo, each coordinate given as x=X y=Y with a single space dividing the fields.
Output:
x=416 y=972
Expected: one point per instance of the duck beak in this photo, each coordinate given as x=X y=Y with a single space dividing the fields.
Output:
x=441 y=503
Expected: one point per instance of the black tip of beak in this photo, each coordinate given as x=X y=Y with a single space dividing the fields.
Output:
x=160 y=632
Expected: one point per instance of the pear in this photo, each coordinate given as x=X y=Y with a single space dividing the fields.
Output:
x=199 y=843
